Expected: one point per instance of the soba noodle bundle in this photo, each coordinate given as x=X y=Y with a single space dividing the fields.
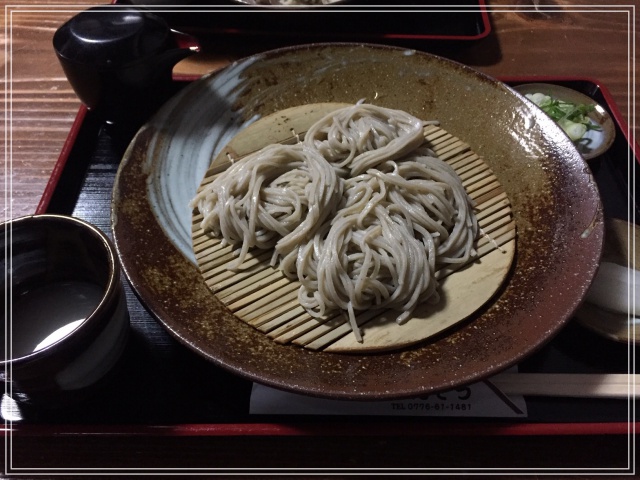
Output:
x=361 y=136
x=275 y=197
x=395 y=227
x=361 y=213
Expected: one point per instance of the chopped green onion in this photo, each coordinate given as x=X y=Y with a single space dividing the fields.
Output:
x=574 y=130
x=572 y=118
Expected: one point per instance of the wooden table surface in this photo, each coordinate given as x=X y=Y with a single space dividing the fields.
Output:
x=527 y=39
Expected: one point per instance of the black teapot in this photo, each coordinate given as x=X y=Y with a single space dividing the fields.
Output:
x=119 y=60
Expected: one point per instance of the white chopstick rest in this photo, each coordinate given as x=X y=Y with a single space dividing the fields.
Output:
x=615 y=288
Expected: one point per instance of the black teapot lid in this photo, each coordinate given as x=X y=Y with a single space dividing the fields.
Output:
x=110 y=36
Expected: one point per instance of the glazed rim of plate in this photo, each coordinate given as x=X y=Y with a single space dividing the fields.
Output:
x=555 y=203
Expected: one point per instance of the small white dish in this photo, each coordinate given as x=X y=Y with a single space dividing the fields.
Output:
x=620 y=236
x=595 y=141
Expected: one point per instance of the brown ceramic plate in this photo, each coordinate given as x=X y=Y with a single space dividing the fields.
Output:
x=554 y=200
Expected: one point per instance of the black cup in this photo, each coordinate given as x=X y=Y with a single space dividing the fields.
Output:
x=67 y=321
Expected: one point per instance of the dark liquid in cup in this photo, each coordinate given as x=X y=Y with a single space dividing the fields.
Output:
x=43 y=315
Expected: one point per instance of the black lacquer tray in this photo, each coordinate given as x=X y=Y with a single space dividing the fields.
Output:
x=159 y=382
x=227 y=21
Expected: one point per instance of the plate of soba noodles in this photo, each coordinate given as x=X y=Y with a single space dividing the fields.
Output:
x=356 y=221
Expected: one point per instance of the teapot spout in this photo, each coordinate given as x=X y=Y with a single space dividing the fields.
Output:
x=187 y=45
x=186 y=41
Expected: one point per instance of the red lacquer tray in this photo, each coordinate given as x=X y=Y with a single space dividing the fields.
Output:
x=160 y=389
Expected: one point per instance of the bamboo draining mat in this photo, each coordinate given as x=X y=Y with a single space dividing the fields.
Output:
x=264 y=298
